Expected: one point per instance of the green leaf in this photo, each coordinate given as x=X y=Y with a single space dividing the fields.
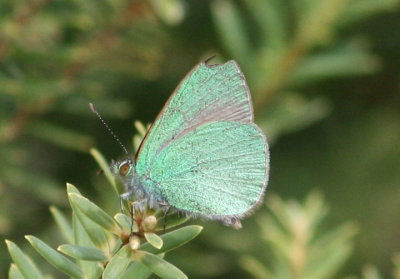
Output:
x=59 y=136
x=63 y=225
x=159 y=266
x=110 y=107
x=317 y=20
x=230 y=27
x=330 y=251
x=329 y=266
x=105 y=167
x=14 y=273
x=255 y=268
x=154 y=239
x=136 y=141
x=174 y=239
x=22 y=177
x=96 y=233
x=360 y=10
x=141 y=129
x=72 y=189
x=371 y=272
x=292 y=232
x=118 y=264
x=96 y=214
x=315 y=208
x=340 y=63
x=81 y=237
x=171 y=12
x=126 y=222
x=291 y=113
x=137 y=270
x=271 y=18
x=24 y=264
x=82 y=253
x=171 y=221
x=56 y=259
x=396 y=262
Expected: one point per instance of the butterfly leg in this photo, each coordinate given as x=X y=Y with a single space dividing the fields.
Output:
x=126 y=196
x=165 y=217
x=137 y=206
x=133 y=218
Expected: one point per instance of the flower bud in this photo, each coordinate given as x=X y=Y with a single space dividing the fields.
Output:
x=149 y=223
x=134 y=242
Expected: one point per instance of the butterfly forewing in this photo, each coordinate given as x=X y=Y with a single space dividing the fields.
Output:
x=207 y=93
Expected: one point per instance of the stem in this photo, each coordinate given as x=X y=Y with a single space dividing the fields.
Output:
x=310 y=31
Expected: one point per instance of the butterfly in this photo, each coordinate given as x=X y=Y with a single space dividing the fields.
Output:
x=203 y=155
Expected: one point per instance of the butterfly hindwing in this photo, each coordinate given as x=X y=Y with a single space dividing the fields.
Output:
x=217 y=169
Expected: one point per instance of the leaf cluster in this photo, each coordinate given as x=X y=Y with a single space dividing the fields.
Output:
x=285 y=46
x=105 y=247
x=299 y=247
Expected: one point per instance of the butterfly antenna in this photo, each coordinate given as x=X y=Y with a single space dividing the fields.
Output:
x=108 y=128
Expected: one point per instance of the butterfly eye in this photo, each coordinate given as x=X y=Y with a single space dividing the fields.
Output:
x=125 y=168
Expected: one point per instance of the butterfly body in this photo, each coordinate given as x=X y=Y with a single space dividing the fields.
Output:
x=203 y=154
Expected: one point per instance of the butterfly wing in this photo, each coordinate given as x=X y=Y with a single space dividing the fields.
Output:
x=217 y=170
x=206 y=94
x=203 y=153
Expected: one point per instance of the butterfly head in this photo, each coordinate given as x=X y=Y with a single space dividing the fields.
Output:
x=123 y=168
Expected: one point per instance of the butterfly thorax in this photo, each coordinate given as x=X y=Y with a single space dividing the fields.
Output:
x=135 y=186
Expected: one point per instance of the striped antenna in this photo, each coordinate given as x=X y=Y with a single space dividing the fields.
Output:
x=108 y=128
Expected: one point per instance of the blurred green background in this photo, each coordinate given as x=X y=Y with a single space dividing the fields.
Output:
x=324 y=77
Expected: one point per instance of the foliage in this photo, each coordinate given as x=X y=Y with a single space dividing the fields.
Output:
x=106 y=247
x=371 y=272
x=286 y=56
x=311 y=66
x=299 y=248
x=100 y=245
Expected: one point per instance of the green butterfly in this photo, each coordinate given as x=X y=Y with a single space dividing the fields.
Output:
x=203 y=155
